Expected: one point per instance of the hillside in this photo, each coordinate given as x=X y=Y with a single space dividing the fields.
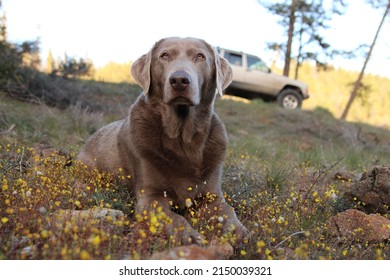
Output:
x=275 y=157
x=254 y=127
x=331 y=90
x=328 y=89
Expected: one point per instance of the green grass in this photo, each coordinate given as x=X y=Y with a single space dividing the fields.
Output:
x=277 y=176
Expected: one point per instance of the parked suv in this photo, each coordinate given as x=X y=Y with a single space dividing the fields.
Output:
x=251 y=74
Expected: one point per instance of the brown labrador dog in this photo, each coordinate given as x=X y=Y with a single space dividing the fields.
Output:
x=172 y=143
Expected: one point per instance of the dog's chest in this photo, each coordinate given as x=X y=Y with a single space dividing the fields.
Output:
x=187 y=157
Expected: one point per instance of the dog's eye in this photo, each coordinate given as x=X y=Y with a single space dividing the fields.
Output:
x=200 y=56
x=165 y=56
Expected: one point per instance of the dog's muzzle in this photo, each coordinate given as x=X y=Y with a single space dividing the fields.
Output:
x=181 y=89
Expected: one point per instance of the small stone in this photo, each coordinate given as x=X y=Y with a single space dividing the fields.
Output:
x=42 y=210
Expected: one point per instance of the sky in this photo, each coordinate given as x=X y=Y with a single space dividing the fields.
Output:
x=121 y=31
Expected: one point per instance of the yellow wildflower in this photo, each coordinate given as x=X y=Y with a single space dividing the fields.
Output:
x=96 y=240
x=45 y=233
x=84 y=255
x=260 y=244
x=153 y=229
x=188 y=202
x=4 y=187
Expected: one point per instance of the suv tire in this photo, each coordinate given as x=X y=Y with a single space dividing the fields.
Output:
x=289 y=99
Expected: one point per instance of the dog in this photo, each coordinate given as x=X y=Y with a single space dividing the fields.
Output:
x=172 y=143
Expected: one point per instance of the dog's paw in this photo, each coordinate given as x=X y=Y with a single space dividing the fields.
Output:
x=240 y=233
x=243 y=234
x=183 y=233
x=196 y=238
x=190 y=236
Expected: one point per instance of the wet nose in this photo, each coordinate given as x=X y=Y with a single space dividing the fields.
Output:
x=180 y=80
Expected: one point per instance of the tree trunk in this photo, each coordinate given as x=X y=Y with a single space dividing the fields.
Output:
x=299 y=54
x=287 y=60
x=360 y=78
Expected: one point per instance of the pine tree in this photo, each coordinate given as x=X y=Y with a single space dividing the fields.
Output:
x=304 y=21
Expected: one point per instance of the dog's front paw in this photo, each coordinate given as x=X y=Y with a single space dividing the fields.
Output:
x=182 y=233
x=239 y=232
x=243 y=234
x=195 y=238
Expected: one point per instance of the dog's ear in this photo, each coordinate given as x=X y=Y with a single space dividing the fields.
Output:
x=140 y=70
x=224 y=73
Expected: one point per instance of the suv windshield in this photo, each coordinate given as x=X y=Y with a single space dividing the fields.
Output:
x=256 y=63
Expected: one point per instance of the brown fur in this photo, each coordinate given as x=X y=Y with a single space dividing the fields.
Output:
x=172 y=143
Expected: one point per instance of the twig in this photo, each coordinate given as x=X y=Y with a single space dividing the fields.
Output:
x=8 y=169
x=288 y=237
x=21 y=161
x=8 y=130
x=320 y=174
x=317 y=179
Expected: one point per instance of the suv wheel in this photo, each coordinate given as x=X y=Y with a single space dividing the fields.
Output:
x=290 y=99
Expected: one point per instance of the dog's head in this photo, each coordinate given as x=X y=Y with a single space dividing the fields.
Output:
x=185 y=71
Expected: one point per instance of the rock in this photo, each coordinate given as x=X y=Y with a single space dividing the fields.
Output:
x=357 y=226
x=41 y=154
x=94 y=213
x=108 y=219
x=195 y=252
x=372 y=192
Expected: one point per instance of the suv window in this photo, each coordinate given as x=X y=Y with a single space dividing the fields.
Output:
x=234 y=59
x=256 y=63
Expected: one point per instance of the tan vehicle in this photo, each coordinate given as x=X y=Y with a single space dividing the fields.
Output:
x=253 y=78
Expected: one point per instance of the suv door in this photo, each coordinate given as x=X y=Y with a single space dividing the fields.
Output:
x=237 y=63
x=259 y=76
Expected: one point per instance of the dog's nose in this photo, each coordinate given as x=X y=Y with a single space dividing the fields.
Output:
x=180 y=80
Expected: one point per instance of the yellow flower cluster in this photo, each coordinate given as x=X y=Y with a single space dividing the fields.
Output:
x=35 y=189
x=41 y=202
